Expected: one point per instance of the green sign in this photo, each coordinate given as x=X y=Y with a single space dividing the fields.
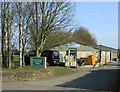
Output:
x=37 y=61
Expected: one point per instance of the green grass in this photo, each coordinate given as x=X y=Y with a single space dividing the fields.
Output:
x=55 y=69
x=16 y=68
x=23 y=69
x=15 y=60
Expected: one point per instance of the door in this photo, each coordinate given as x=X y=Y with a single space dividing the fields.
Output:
x=73 y=52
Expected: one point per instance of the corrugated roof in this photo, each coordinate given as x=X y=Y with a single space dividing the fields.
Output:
x=105 y=48
x=79 y=47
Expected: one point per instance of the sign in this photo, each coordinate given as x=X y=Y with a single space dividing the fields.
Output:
x=37 y=61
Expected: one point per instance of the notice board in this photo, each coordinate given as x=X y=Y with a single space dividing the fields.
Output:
x=38 y=61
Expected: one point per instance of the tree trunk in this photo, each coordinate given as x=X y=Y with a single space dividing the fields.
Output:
x=23 y=55
x=37 y=48
x=8 y=38
x=40 y=47
x=4 y=63
x=43 y=41
x=43 y=26
x=37 y=52
x=20 y=35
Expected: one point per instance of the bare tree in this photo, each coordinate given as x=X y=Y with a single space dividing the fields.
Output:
x=47 y=17
x=26 y=16
x=8 y=37
x=23 y=23
x=3 y=16
x=13 y=20
x=20 y=34
x=7 y=19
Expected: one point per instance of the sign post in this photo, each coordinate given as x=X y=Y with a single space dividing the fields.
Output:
x=38 y=61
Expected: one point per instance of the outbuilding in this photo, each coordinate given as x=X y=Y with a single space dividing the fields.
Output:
x=75 y=49
x=105 y=54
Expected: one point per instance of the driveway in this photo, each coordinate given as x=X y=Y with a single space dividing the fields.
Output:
x=85 y=78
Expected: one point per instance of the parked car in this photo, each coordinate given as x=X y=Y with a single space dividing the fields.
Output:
x=53 y=56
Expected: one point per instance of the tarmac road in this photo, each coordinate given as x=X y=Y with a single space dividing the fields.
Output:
x=85 y=78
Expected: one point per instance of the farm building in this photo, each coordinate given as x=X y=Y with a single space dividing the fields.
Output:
x=105 y=54
x=75 y=47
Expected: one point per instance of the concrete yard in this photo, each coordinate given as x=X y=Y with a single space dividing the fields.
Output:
x=86 y=78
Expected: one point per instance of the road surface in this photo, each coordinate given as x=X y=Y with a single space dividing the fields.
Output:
x=85 y=78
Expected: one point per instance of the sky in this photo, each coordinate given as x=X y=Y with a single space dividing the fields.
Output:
x=101 y=19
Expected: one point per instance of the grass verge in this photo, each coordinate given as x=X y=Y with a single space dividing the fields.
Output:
x=58 y=71
x=26 y=73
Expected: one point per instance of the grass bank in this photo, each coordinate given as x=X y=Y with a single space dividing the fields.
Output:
x=34 y=73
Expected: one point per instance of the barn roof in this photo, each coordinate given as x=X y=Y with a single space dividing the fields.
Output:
x=105 y=48
x=79 y=47
x=82 y=47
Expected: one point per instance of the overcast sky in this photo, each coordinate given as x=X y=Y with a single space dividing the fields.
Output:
x=101 y=19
